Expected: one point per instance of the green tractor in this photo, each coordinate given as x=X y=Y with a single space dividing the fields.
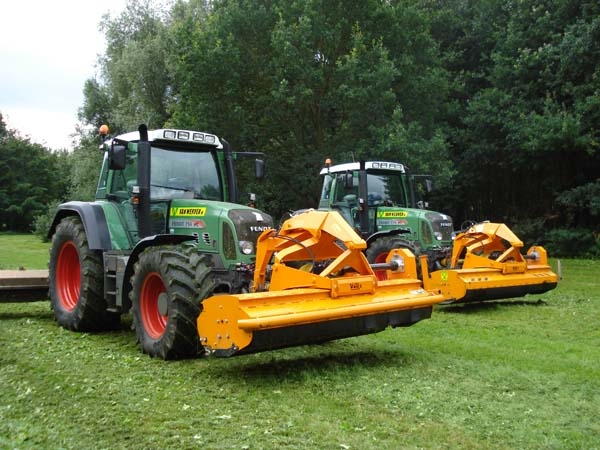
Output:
x=381 y=201
x=164 y=232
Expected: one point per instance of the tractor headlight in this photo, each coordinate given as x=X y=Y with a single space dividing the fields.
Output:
x=438 y=235
x=183 y=135
x=246 y=247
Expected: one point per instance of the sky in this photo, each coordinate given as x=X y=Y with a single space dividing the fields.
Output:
x=47 y=51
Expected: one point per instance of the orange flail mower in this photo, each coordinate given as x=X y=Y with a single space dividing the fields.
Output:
x=487 y=263
x=313 y=283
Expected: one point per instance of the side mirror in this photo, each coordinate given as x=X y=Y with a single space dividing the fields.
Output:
x=259 y=169
x=429 y=185
x=116 y=157
x=251 y=200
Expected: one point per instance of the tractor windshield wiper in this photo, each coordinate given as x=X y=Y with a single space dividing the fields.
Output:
x=197 y=195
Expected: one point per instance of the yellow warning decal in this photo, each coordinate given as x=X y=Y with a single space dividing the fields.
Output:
x=444 y=275
x=390 y=214
x=188 y=211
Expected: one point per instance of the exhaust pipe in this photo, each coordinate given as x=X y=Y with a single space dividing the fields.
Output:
x=143 y=179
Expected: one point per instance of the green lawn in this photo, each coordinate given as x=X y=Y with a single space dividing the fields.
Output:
x=23 y=251
x=498 y=375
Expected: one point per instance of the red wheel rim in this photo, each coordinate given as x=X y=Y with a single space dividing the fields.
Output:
x=154 y=322
x=68 y=276
x=380 y=258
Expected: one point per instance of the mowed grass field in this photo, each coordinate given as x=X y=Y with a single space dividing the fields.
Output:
x=514 y=374
x=22 y=251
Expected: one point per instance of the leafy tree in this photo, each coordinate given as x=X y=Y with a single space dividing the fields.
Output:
x=86 y=160
x=582 y=205
x=499 y=100
x=96 y=109
x=525 y=123
x=135 y=81
x=30 y=177
x=4 y=132
x=305 y=80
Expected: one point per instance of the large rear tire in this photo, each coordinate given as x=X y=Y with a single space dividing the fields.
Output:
x=378 y=251
x=76 y=282
x=168 y=286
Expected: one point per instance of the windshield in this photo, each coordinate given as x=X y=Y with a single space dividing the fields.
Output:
x=386 y=190
x=177 y=174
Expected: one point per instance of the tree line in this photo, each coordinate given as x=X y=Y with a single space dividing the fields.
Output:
x=499 y=100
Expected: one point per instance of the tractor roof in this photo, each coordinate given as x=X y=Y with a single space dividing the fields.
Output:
x=369 y=165
x=174 y=135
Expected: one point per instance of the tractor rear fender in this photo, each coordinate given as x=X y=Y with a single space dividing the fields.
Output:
x=93 y=219
x=150 y=241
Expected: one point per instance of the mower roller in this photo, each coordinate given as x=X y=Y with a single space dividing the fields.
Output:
x=313 y=283
x=487 y=263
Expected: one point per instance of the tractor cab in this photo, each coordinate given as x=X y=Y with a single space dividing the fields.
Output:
x=166 y=182
x=382 y=198
x=179 y=170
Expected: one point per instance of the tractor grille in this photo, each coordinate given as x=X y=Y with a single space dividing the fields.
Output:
x=442 y=224
x=250 y=223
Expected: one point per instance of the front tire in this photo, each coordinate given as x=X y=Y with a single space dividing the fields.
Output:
x=76 y=282
x=166 y=301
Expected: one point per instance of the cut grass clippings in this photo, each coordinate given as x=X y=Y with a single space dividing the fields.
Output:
x=509 y=374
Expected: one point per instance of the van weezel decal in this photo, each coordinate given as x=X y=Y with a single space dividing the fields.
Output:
x=391 y=214
x=188 y=211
